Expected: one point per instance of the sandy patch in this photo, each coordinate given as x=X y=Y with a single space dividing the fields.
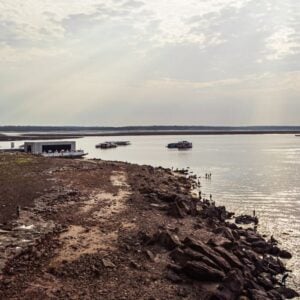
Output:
x=79 y=240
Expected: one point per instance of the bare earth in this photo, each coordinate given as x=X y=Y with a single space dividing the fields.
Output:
x=108 y=230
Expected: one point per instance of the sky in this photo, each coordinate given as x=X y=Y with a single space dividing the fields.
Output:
x=149 y=62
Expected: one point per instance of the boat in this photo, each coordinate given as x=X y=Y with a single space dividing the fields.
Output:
x=106 y=145
x=184 y=145
x=180 y=145
x=65 y=154
x=121 y=143
x=172 y=145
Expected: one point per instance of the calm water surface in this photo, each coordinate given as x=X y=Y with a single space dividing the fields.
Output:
x=249 y=172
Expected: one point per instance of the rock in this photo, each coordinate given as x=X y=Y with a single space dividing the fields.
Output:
x=218 y=240
x=260 y=244
x=172 y=276
x=183 y=292
x=194 y=255
x=227 y=233
x=168 y=240
x=146 y=238
x=287 y=292
x=159 y=206
x=221 y=295
x=250 y=283
x=231 y=258
x=135 y=265
x=274 y=250
x=215 y=212
x=231 y=287
x=234 y=281
x=176 y=211
x=274 y=265
x=209 y=252
x=176 y=268
x=166 y=197
x=107 y=263
x=246 y=219
x=96 y=271
x=265 y=280
x=285 y=254
x=273 y=294
x=179 y=256
x=258 y=294
x=253 y=237
x=201 y=271
x=150 y=255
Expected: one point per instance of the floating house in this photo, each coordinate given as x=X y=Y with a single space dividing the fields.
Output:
x=54 y=149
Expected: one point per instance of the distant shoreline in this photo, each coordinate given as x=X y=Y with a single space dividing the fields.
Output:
x=51 y=136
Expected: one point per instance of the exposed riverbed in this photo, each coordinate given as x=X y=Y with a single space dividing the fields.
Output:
x=259 y=172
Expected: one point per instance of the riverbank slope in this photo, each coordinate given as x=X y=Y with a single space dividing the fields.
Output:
x=76 y=229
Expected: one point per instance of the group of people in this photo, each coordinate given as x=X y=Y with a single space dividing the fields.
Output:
x=207 y=175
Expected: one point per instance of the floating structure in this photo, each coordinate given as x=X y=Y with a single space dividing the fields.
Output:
x=180 y=145
x=113 y=144
x=106 y=145
x=64 y=149
x=122 y=143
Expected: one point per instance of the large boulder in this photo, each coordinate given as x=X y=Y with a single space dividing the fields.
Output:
x=285 y=254
x=218 y=240
x=200 y=271
x=265 y=280
x=258 y=294
x=168 y=240
x=231 y=287
x=288 y=293
x=231 y=258
x=246 y=219
x=176 y=211
x=194 y=255
x=209 y=252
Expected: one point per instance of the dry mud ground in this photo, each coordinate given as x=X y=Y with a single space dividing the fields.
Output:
x=108 y=230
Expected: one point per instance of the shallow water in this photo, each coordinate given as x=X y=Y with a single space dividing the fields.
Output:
x=249 y=172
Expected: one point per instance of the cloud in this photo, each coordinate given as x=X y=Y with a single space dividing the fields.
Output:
x=142 y=57
x=282 y=43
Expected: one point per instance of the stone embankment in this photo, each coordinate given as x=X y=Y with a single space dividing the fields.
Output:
x=107 y=230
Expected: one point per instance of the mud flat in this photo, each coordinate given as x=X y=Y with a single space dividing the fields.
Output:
x=108 y=230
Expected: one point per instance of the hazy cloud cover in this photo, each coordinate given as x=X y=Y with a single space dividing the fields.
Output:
x=142 y=62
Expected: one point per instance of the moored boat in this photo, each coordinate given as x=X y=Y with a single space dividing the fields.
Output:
x=172 y=145
x=121 y=143
x=180 y=145
x=106 y=145
x=65 y=154
x=184 y=145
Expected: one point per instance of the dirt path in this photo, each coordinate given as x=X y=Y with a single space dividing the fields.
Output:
x=102 y=206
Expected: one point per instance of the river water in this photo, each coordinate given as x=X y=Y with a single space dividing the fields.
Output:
x=249 y=172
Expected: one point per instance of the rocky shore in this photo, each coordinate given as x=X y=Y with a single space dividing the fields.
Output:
x=74 y=229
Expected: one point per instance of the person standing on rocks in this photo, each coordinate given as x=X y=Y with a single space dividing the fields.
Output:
x=18 y=211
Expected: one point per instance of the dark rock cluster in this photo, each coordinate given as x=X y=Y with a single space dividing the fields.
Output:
x=241 y=263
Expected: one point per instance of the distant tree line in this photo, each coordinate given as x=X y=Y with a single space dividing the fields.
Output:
x=148 y=128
